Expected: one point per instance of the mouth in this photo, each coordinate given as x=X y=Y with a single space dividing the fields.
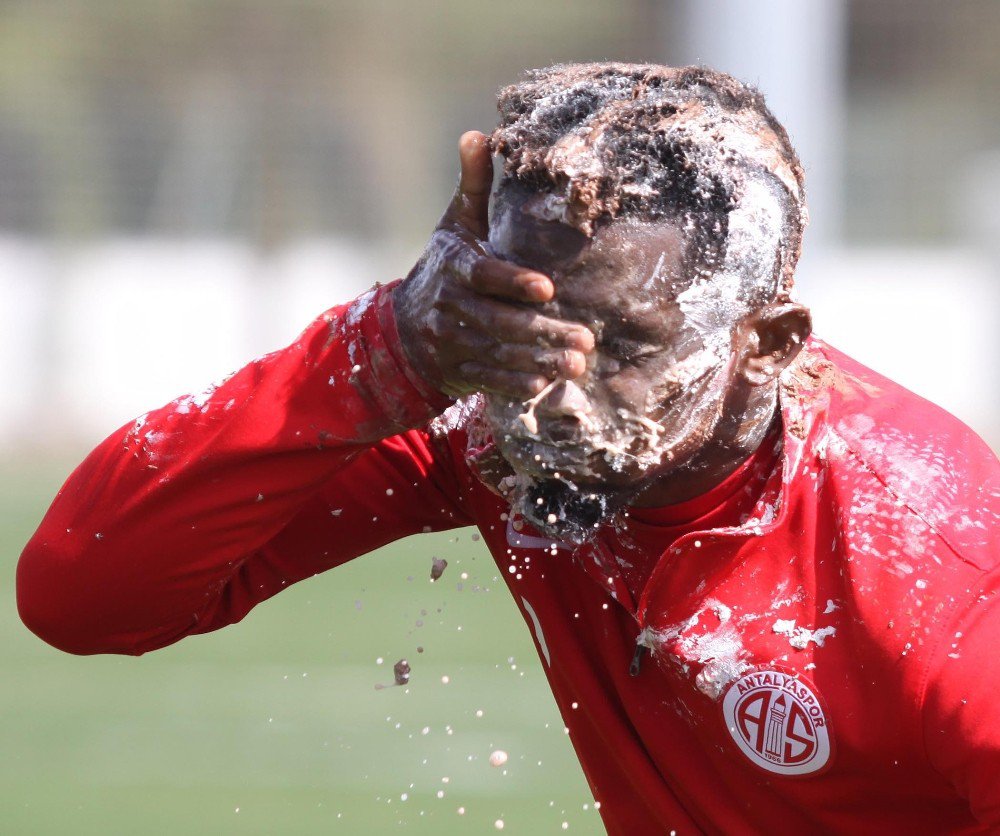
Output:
x=607 y=452
x=565 y=511
x=566 y=453
x=546 y=458
x=558 y=432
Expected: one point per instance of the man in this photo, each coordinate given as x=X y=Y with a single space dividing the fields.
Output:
x=761 y=578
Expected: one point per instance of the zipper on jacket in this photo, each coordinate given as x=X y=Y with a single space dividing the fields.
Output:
x=643 y=643
x=640 y=651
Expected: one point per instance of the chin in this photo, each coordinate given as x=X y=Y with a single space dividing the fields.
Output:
x=568 y=486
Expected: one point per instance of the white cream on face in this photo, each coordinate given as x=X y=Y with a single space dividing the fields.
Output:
x=712 y=305
x=665 y=409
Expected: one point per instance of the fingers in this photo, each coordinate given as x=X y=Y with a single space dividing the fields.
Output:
x=503 y=381
x=467 y=261
x=476 y=178
x=470 y=206
x=510 y=324
x=553 y=363
x=565 y=363
x=509 y=281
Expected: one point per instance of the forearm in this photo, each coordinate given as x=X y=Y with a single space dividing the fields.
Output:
x=147 y=534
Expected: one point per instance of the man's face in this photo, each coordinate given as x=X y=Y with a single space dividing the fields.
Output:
x=652 y=390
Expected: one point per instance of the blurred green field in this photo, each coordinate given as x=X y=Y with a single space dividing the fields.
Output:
x=275 y=725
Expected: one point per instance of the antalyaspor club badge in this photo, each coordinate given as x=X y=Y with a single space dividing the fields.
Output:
x=778 y=721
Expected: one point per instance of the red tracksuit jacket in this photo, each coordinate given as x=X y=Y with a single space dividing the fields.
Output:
x=828 y=665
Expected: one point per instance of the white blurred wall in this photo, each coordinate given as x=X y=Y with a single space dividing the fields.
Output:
x=927 y=318
x=92 y=336
x=794 y=52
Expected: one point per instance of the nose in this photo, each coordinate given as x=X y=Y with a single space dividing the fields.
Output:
x=564 y=399
x=561 y=402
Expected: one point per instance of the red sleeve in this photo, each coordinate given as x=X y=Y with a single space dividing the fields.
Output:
x=961 y=709
x=182 y=521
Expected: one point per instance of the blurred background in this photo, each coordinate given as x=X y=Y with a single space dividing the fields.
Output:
x=184 y=184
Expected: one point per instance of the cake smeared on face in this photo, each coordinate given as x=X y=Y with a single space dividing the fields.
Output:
x=666 y=205
x=595 y=142
x=650 y=395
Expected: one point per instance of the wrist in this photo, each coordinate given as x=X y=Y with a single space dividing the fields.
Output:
x=399 y=343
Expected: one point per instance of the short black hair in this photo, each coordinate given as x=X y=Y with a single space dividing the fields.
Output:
x=648 y=141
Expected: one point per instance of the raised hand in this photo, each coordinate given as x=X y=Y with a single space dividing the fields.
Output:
x=468 y=321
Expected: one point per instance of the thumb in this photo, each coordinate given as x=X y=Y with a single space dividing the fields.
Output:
x=470 y=205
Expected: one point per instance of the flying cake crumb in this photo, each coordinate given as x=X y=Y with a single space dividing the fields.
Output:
x=438 y=565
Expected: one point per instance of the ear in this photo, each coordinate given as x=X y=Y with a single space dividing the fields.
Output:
x=768 y=340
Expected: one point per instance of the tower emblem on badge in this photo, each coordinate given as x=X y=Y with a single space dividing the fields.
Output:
x=778 y=721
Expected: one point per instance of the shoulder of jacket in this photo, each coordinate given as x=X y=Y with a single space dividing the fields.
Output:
x=925 y=458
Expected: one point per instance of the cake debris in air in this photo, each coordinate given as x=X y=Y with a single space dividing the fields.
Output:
x=438 y=565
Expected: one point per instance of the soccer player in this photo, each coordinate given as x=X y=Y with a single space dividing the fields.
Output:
x=762 y=579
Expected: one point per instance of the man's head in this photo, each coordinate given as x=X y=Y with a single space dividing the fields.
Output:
x=606 y=141
x=667 y=206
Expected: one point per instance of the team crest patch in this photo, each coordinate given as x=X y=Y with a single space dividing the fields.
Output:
x=778 y=721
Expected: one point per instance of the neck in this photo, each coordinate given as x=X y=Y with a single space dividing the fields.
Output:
x=745 y=418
